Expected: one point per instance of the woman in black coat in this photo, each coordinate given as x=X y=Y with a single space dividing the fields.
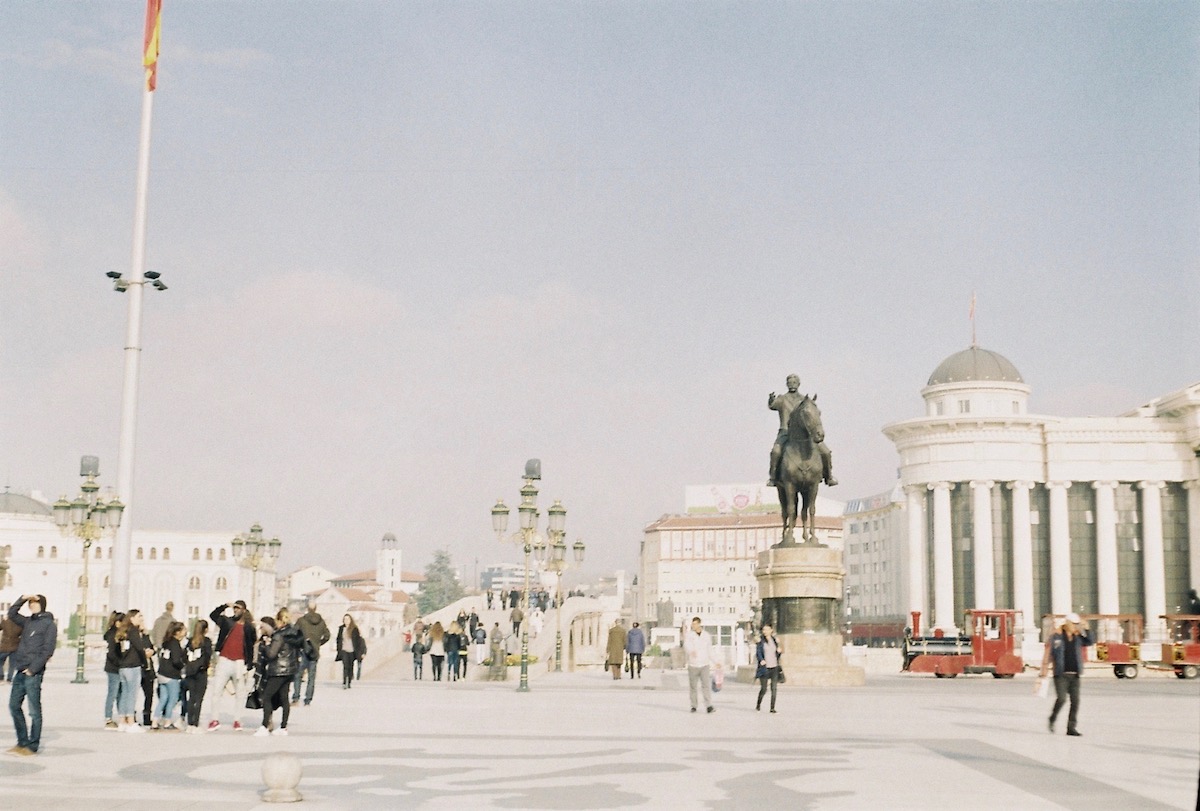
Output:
x=198 y=655
x=350 y=648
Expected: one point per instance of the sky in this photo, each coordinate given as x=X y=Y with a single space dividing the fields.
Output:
x=410 y=245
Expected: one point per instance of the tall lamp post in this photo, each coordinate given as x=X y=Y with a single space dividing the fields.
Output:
x=528 y=539
x=87 y=517
x=254 y=552
x=558 y=563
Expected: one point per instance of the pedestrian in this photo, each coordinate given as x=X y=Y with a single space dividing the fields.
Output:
x=479 y=640
x=170 y=673
x=514 y=598
x=437 y=649
x=472 y=624
x=1064 y=650
x=235 y=660
x=350 y=648
x=418 y=653
x=125 y=649
x=198 y=654
x=516 y=615
x=112 y=671
x=10 y=637
x=490 y=597
x=635 y=646
x=39 y=635
x=277 y=662
x=146 y=675
x=159 y=629
x=454 y=644
x=697 y=646
x=615 y=653
x=766 y=654
x=536 y=618
x=316 y=634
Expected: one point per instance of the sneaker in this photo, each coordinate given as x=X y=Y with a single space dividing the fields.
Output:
x=237 y=726
x=1074 y=733
x=693 y=709
x=772 y=709
x=214 y=725
x=134 y=728
x=712 y=709
x=111 y=724
x=22 y=751
x=262 y=732
x=306 y=703
x=281 y=731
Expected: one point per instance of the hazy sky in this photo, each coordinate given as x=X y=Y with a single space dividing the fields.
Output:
x=410 y=245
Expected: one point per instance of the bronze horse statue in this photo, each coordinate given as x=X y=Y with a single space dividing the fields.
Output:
x=800 y=472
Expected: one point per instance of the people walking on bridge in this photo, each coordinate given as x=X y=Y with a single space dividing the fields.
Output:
x=316 y=633
x=635 y=646
x=437 y=649
x=351 y=648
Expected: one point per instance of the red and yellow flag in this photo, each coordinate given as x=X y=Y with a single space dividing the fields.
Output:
x=150 y=49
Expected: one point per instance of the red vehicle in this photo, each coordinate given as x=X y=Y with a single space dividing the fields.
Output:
x=1182 y=652
x=1118 y=641
x=991 y=647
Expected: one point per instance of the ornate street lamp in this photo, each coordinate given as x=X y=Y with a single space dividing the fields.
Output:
x=88 y=517
x=251 y=551
x=558 y=564
x=530 y=543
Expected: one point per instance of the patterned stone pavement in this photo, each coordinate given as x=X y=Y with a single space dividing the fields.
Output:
x=583 y=741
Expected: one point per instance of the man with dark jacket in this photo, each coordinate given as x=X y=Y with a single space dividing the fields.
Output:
x=10 y=637
x=235 y=659
x=316 y=634
x=1064 y=651
x=39 y=635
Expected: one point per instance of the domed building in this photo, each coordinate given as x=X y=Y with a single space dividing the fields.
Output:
x=1008 y=509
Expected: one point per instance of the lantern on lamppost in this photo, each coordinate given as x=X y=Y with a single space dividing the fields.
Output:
x=88 y=518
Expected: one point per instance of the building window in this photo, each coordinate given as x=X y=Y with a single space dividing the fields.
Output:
x=940 y=408
x=208 y=554
x=222 y=584
x=1016 y=407
x=140 y=554
x=79 y=582
x=105 y=581
x=196 y=553
x=54 y=551
x=194 y=583
x=41 y=551
x=153 y=553
x=222 y=555
x=166 y=553
x=964 y=406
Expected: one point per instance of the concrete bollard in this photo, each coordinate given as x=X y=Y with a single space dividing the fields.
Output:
x=281 y=772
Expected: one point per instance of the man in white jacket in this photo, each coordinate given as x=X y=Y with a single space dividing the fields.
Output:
x=698 y=647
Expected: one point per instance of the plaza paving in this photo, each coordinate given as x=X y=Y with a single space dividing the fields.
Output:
x=583 y=741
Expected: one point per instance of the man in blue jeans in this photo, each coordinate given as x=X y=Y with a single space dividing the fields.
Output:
x=316 y=634
x=39 y=635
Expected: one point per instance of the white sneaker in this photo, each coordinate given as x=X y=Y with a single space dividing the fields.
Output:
x=262 y=732
x=134 y=728
x=280 y=731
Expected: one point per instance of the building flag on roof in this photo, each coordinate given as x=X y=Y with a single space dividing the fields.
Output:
x=150 y=46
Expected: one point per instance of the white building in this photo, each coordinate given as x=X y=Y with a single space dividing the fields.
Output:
x=195 y=570
x=702 y=563
x=876 y=560
x=1046 y=514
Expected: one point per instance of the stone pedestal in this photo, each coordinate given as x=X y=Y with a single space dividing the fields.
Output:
x=801 y=588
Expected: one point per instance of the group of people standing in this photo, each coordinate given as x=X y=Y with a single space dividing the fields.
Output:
x=448 y=647
x=624 y=650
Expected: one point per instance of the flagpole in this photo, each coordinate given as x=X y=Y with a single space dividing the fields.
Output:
x=122 y=544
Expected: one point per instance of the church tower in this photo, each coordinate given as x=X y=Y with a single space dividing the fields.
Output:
x=387 y=563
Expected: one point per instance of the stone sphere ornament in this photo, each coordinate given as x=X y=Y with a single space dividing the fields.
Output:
x=281 y=772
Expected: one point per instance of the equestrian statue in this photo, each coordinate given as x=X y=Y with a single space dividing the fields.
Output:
x=800 y=461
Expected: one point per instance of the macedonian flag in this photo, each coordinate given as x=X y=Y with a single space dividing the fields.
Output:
x=150 y=50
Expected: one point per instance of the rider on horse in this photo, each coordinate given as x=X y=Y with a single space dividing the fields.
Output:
x=785 y=404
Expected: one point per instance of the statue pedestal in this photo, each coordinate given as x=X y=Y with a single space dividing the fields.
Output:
x=801 y=588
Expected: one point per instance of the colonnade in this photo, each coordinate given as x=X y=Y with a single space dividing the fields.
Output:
x=940 y=547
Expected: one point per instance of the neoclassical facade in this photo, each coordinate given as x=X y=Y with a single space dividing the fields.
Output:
x=1046 y=514
x=195 y=570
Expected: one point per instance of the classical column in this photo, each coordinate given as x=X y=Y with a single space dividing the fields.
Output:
x=1022 y=553
x=1060 y=549
x=1193 y=509
x=1107 y=600
x=983 y=546
x=1153 y=568
x=916 y=551
x=943 y=560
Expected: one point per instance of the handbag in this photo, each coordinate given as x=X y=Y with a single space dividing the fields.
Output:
x=1042 y=688
x=254 y=700
x=781 y=678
